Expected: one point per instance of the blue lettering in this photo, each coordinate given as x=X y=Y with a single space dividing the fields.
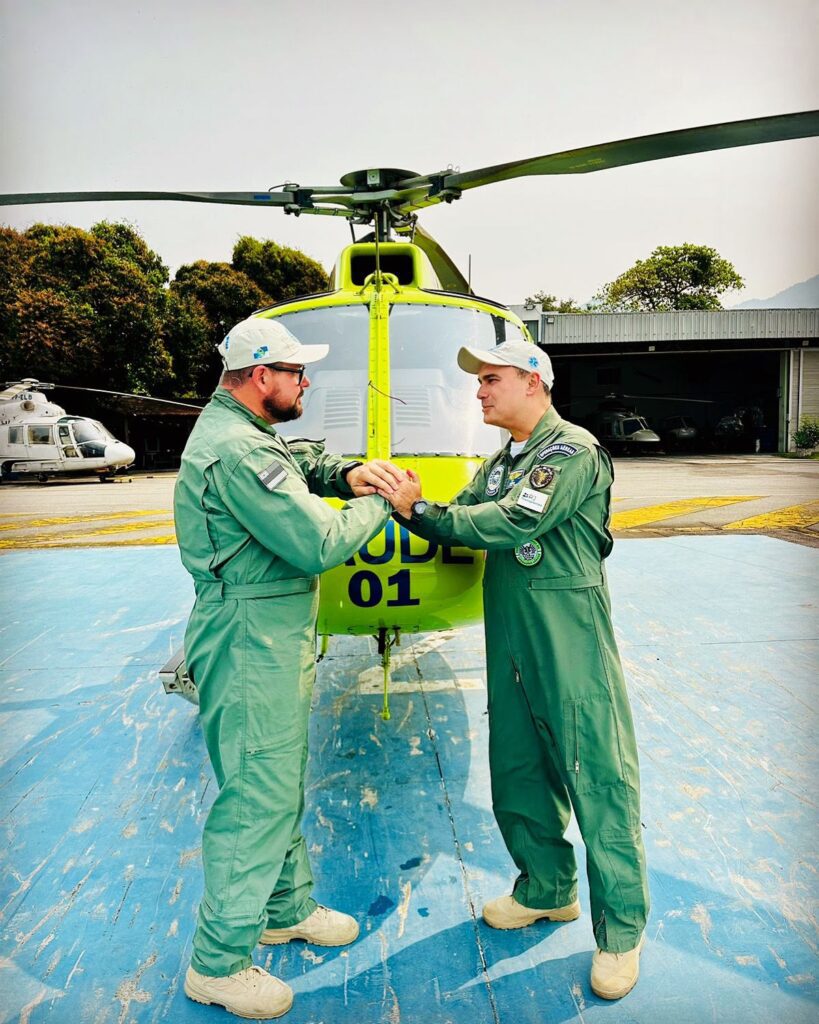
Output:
x=407 y=557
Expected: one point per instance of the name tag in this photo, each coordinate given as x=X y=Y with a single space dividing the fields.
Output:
x=533 y=500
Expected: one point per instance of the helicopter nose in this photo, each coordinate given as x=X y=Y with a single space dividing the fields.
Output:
x=118 y=454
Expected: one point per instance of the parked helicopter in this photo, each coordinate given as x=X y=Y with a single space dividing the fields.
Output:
x=395 y=316
x=39 y=439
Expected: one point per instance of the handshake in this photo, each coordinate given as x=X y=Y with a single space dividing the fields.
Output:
x=401 y=489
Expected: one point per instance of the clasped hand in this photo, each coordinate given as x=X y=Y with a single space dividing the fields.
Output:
x=401 y=489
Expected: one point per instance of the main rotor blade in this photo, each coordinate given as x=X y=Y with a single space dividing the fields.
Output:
x=235 y=198
x=756 y=130
x=452 y=280
x=130 y=394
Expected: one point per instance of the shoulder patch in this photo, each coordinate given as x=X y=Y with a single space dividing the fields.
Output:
x=272 y=476
x=493 y=482
x=559 y=448
x=542 y=476
x=515 y=477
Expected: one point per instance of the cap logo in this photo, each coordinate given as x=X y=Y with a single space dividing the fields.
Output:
x=260 y=352
x=534 y=362
x=227 y=343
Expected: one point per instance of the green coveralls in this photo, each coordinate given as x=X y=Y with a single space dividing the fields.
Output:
x=560 y=727
x=254 y=533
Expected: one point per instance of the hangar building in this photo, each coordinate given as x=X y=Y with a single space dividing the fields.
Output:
x=704 y=365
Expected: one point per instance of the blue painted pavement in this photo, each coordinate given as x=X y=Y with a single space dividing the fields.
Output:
x=105 y=783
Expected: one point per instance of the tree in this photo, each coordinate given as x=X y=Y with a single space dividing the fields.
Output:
x=550 y=304
x=684 y=276
x=281 y=272
x=83 y=306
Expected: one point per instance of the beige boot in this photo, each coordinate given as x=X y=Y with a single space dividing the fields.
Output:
x=249 y=993
x=505 y=912
x=324 y=927
x=614 y=975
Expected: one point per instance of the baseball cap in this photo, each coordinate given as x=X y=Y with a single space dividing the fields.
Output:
x=258 y=341
x=521 y=354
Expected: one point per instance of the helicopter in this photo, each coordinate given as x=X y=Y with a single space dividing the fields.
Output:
x=38 y=438
x=394 y=317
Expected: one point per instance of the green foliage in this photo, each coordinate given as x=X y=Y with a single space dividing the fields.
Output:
x=93 y=307
x=806 y=436
x=281 y=272
x=83 y=306
x=550 y=304
x=673 y=277
x=205 y=300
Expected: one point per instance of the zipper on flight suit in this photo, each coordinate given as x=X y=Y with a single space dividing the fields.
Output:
x=576 y=735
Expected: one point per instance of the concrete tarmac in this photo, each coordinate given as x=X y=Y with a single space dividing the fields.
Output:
x=652 y=497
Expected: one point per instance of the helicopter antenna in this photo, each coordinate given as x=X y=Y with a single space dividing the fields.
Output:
x=392 y=398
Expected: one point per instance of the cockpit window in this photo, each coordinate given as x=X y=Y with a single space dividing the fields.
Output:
x=435 y=409
x=335 y=404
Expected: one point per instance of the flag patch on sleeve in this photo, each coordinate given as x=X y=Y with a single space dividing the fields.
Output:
x=272 y=476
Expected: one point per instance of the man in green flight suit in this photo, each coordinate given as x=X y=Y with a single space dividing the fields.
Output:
x=254 y=533
x=560 y=727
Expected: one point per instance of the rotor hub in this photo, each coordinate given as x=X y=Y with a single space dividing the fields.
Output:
x=375 y=179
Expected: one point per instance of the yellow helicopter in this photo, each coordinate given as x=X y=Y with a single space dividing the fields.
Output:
x=394 y=318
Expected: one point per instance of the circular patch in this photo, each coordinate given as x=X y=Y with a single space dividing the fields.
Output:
x=530 y=553
x=541 y=476
x=493 y=483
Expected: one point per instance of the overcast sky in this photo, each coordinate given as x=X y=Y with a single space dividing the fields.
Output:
x=96 y=94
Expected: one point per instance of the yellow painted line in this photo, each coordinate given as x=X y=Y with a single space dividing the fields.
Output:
x=39 y=540
x=88 y=518
x=133 y=542
x=671 y=509
x=795 y=517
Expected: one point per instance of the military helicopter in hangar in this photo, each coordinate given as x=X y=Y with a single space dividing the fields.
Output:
x=394 y=317
x=39 y=440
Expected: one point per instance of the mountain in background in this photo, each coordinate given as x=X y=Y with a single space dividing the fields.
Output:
x=799 y=296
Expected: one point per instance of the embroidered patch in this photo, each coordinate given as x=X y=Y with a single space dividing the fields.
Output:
x=541 y=476
x=515 y=477
x=534 y=362
x=533 y=500
x=560 y=448
x=493 y=483
x=261 y=352
x=529 y=553
x=272 y=476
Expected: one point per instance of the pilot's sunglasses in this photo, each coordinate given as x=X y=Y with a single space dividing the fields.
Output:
x=288 y=369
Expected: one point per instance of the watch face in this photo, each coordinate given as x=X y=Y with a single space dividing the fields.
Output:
x=420 y=507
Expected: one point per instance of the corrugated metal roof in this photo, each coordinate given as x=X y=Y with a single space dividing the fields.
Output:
x=679 y=325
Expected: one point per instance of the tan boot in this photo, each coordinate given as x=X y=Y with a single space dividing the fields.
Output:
x=505 y=912
x=324 y=927
x=614 y=975
x=249 y=993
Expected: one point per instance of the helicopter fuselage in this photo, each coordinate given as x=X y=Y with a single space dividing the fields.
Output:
x=390 y=388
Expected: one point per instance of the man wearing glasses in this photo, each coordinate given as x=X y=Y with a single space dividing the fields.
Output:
x=254 y=533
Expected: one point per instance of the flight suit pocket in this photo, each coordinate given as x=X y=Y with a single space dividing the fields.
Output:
x=591 y=745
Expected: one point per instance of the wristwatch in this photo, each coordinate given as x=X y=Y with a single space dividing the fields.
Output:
x=419 y=508
x=345 y=469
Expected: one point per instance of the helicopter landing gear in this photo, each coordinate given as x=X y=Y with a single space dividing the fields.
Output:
x=385 y=646
x=42 y=477
x=325 y=643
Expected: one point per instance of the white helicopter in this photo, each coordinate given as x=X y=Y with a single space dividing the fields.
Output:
x=38 y=438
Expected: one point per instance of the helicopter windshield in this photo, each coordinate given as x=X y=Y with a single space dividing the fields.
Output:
x=335 y=404
x=437 y=411
x=90 y=435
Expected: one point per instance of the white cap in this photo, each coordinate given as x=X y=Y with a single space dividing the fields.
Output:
x=521 y=354
x=259 y=340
